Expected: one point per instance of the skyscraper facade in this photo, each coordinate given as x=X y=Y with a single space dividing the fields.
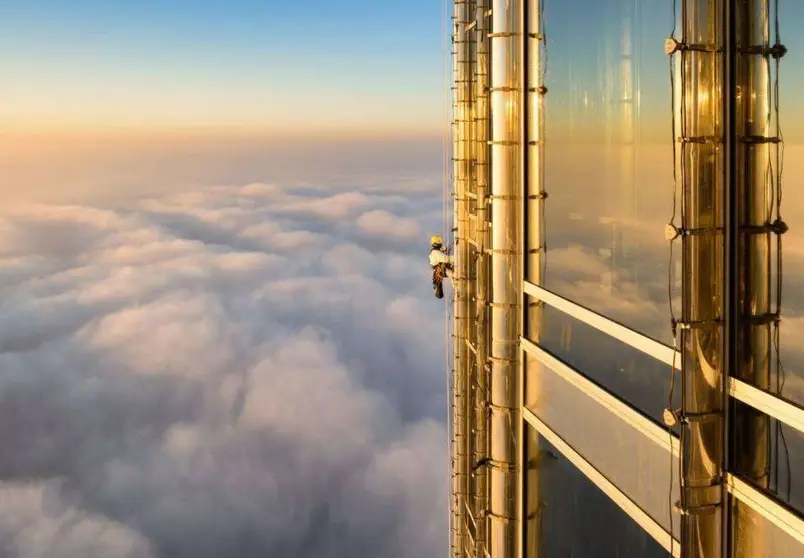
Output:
x=628 y=370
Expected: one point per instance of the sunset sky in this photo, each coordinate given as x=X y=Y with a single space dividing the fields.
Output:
x=96 y=64
x=276 y=65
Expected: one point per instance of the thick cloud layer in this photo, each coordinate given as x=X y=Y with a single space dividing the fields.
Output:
x=234 y=372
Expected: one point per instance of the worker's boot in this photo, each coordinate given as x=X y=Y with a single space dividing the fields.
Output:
x=438 y=287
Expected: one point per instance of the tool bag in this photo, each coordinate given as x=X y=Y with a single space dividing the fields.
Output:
x=438 y=280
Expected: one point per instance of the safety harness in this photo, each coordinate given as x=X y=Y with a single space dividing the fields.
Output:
x=439 y=271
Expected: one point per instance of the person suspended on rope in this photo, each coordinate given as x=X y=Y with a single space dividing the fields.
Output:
x=441 y=262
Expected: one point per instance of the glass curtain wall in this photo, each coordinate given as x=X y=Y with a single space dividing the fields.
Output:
x=609 y=174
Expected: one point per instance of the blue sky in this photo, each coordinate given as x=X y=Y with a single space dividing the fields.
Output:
x=283 y=64
x=286 y=65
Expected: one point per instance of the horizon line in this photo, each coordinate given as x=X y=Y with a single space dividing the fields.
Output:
x=226 y=130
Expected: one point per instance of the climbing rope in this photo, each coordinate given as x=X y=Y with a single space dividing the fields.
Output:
x=671 y=391
x=775 y=216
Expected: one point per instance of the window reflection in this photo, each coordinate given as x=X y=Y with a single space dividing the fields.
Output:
x=609 y=169
x=778 y=461
x=770 y=455
x=578 y=519
x=609 y=174
x=636 y=378
x=791 y=110
x=753 y=536
x=602 y=437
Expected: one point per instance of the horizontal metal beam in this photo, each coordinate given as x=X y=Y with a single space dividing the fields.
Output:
x=625 y=412
x=776 y=514
x=637 y=340
x=772 y=511
x=633 y=511
x=788 y=413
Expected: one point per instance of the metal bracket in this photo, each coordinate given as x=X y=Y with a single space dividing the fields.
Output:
x=760 y=140
x=687 y=417
x=776 y=227
x=776 y=51
x=712 y=140
x=673 y=45
x=699 y=510
x=671 y=232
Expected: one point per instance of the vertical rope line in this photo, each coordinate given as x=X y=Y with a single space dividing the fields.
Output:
x=543 y=67
x=771 y=188
x=684 y=225
x=780 y=371
x=671 y=391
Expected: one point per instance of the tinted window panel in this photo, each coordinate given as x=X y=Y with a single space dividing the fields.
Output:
x=578 y=519
x=609 y=170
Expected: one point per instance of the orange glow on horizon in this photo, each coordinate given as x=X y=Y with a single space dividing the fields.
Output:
x=201 y=131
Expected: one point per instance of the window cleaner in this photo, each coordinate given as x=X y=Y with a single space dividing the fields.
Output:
x=441 y=262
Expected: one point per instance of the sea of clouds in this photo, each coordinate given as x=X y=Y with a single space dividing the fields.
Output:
x=250 y=370
x=232 y=372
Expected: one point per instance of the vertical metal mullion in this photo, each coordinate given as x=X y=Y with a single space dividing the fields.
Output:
x=480 y=139
x=523 y=251
x=731 y=308
x=702 y=299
